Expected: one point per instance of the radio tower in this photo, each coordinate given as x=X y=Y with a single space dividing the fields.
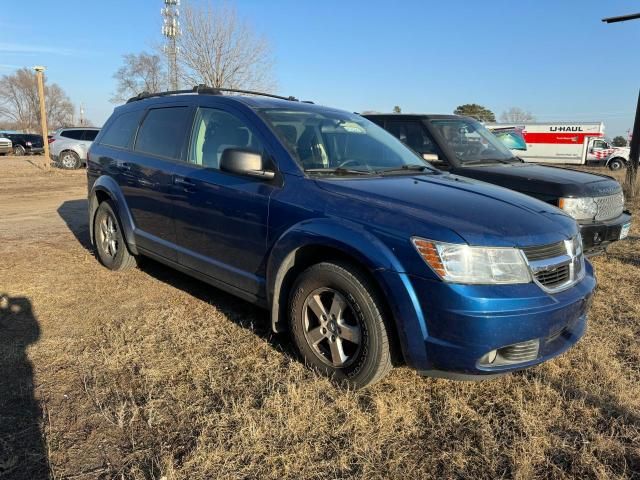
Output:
x=171 y=31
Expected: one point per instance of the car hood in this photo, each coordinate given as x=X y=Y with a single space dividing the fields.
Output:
x=428 y=205
x=552 y=182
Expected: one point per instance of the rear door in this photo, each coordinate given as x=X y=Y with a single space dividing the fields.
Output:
x=221 y=218
x=146 y=176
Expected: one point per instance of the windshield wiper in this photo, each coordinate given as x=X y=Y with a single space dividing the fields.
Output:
x=339 y=171
x=406 y=168
x=486 y=160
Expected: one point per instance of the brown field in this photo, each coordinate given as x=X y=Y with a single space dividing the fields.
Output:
x=151 y=374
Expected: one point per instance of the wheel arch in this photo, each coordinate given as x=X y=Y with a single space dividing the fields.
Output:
x=306 y=245
x=106 y=188
x=617 y=157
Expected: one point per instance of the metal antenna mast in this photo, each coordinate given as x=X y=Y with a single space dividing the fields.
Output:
x=171 y=31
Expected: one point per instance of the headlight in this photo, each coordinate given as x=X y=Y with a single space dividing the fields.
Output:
x=579 y=208
x=478 y=265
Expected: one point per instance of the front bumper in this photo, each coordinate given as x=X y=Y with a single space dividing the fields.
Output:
x=6 y=149
x=462 y=323
x=597 y=236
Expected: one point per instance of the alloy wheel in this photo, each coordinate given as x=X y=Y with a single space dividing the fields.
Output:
x=331 y=327
x=108 y=236
x=68 y=160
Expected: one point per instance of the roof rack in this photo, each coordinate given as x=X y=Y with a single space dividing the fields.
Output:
x=205 y=90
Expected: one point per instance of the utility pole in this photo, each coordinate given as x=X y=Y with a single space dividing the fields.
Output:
x=171 y=31
x=634 y=153
x=43 y=115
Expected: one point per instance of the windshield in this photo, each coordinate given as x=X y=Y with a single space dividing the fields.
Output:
x=472 y=142
x=339 y=142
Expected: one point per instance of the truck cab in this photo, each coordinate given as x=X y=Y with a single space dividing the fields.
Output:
x=463 y=146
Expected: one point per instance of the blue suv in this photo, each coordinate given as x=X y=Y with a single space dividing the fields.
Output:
x=367 y=255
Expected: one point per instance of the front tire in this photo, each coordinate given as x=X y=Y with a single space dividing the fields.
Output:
x=337 y=324
x=616 y=164
x=108 y=237
x=19 y=150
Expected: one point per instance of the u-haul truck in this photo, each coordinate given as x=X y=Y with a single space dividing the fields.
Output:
x=573 y=143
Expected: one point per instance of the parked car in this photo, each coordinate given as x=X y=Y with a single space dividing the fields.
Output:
x=463 y=146
x=359 y=248
x=25 y=143
x=69 y=146
x=5 y=145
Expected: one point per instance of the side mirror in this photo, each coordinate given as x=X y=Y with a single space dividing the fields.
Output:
x=242 y=161
x=431 y=157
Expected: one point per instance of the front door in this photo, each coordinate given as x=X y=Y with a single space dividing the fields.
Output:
x=222 y=219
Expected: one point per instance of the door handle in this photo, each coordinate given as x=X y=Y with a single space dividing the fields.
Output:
x=123 y=166
x=185 y=183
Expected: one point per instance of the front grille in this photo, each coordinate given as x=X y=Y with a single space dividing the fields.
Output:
x=610 y=206
x=545 y=251
x=520 y=352
x=553 y=278
x=556 y=266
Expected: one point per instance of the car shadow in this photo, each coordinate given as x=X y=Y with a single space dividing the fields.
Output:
x=75 y=215
x=22 y=447
x=242 y=313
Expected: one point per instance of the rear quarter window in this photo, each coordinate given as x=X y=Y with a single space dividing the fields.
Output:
x=90 y=135
x=121 y=131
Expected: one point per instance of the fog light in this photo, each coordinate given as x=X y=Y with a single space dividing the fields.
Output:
x=489 y=357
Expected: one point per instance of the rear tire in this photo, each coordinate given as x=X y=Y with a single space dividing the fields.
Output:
x=616 y=164
x=69 y=160
x=19 y=150
x=111 y=248
x=337 y=324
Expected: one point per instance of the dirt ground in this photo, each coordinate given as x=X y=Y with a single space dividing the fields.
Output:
x=151 y=374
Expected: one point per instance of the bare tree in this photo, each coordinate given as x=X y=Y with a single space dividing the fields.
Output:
x=144 y=72
x=219 y=49
x=19 y=102
x=516 y=115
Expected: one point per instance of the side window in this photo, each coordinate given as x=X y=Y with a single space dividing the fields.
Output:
x=214 y=131
x=162 y=132
x=90 y=135
x=121 y=131
x=73 y=134
x=414 y=135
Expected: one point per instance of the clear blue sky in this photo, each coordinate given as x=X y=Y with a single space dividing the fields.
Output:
x=554 y=58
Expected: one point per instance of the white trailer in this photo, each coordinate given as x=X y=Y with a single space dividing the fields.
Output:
x=573 y=143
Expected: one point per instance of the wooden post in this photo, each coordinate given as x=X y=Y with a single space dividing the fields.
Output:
x=632 y=169
x=43 y=116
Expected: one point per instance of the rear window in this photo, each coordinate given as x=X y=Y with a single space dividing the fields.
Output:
x=120 y=132
x=162 y=132
x=73 y=134
x=90 y=135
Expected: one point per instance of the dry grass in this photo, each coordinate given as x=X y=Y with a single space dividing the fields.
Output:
x=151 y=374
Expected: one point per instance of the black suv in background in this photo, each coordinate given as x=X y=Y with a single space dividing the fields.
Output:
x=463 y=146
x=25 y=143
